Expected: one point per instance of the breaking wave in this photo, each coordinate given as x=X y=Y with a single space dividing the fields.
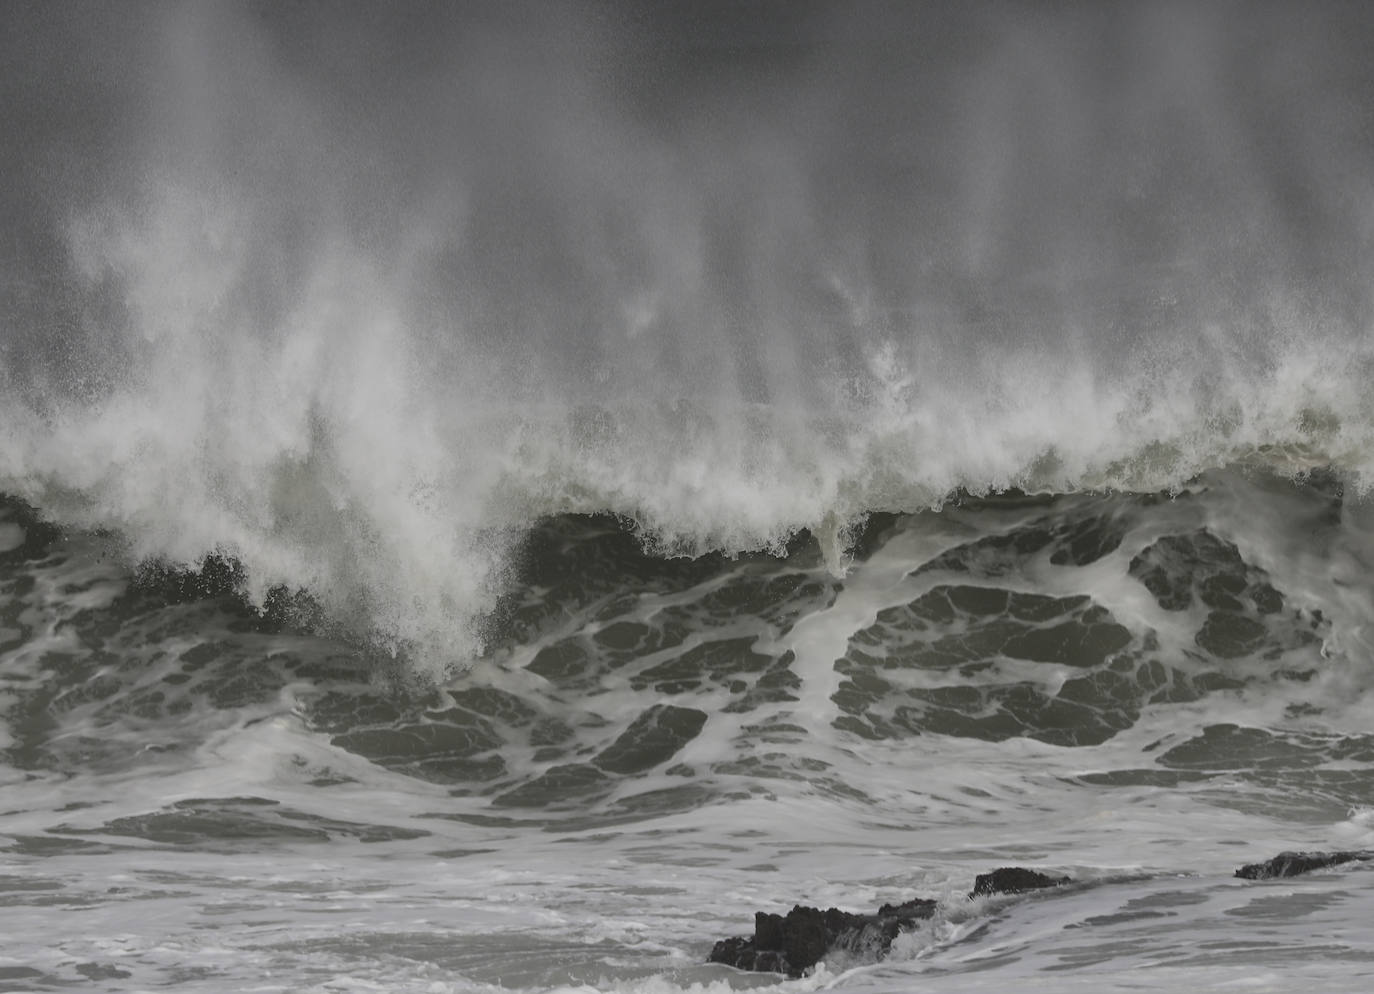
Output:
x=358 y=312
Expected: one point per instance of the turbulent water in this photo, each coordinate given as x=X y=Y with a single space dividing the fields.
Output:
x=495 y=495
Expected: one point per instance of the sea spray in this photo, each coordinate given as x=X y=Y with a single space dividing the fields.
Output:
x=356 y=301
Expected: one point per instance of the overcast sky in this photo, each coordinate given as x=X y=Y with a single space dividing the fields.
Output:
x=555 y=170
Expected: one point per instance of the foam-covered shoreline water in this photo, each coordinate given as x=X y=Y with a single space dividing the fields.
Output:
x=1143 y=691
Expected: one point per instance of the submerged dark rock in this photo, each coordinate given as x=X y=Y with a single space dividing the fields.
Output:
x=1290 y=864
x=797 y=941
x=1013 y=880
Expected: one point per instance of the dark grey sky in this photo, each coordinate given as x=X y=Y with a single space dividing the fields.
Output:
x=579 y=178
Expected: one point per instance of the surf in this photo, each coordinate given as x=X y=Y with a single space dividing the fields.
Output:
x=362 y=346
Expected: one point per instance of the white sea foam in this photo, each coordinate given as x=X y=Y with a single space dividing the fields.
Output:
x=359 y=301
x=575 y=896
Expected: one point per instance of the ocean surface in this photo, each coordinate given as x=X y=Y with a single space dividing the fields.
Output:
x=492 y=496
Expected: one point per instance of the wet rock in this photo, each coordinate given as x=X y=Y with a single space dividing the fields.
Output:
x=917 y=909
x=1290 y=864
x=1013 y=880
x=797 y=941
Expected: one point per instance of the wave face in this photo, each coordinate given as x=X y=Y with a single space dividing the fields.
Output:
x=357 y=300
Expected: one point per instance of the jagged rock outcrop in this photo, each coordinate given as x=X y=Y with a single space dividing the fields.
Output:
x=1290 y=864
x=797 y=941
x=1013 y=880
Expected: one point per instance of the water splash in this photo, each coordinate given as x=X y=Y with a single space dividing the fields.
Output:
x=355 y=300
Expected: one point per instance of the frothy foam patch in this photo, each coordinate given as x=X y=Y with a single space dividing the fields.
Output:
x=11 y=536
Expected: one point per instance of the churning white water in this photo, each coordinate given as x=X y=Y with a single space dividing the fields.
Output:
x=350 y=296
x=491 y=496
